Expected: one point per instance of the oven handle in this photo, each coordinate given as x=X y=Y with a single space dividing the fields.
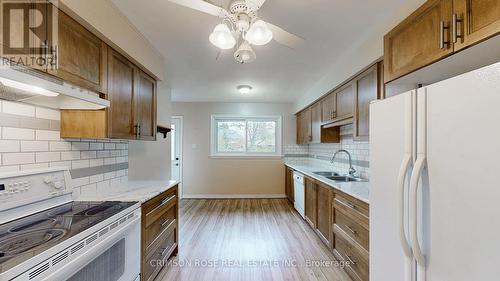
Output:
x=76 y=264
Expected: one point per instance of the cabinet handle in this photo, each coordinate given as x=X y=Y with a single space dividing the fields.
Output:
x=352 y=230
x=454 y=28
x=468 y=8
x=442 y=42
x=165 y=223
x=350 y=259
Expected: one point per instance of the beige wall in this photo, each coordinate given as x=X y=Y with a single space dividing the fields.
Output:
x=102 y=17
x=226 y=177
x=150 y=160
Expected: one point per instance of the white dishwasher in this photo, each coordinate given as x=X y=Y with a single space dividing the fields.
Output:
x=298 y=190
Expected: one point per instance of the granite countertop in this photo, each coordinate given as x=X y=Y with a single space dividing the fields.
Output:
x=139 y=191
x=358 y=190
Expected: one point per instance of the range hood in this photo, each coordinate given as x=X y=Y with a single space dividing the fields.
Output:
x=25 y=85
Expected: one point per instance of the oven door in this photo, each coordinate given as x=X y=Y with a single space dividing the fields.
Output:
x=115 y=258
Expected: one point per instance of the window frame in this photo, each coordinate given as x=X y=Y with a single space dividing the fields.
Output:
x=214 y=136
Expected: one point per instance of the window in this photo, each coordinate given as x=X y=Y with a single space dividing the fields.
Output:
x=246 y=136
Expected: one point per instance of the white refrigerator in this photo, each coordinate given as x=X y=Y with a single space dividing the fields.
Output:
x=435 y=181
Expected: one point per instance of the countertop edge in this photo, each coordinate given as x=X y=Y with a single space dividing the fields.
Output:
x=319 y=178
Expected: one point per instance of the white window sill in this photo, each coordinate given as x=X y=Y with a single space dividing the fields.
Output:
x=259 y=157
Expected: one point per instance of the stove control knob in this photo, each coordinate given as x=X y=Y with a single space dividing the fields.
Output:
x=47 y=179
x=58 y=185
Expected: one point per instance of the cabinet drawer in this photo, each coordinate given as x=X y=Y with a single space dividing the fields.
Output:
x=156 y=259
x=153 y=209
x=154 y=229
x=357 y=232
x=358 y=262
x=353 y=208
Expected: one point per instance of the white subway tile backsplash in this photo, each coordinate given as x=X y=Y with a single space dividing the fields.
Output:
x=65 y=164
x=9 y=133
x=96 y=162
x=109 y=161
x=109 y=175
x=8 y=169
x=18 y=158
x=18 y=109
x=80 y=181
x=103 y=154
x=9 y=146
x=88 y=154
x=34 y=166
x=70 y=155
x=33 y=146
x=60 y=146
x=96 y=146
x=96 y=178
x=80 y=146
x=45 y=113
x=47 y=156
x=78 y=164
x=114 y=153
x=109 y=146
x=47 y=135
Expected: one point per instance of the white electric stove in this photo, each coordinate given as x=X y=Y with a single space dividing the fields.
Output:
x=45 y=235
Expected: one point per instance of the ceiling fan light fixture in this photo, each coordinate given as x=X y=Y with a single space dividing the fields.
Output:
x=245 y=54
x=222 y=38
x=259 y=33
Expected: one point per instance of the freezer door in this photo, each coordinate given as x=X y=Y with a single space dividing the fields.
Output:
x=391 y=142
x=461 y=187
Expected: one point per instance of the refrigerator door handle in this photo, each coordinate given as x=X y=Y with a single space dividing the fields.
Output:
x=403 y=171
x=414 y=181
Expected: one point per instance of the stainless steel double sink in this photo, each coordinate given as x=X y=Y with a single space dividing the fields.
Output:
x=339 y=178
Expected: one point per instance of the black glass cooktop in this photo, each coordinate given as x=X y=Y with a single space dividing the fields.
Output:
x=26 y=237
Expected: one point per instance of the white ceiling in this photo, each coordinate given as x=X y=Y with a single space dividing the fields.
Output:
x=280 y=74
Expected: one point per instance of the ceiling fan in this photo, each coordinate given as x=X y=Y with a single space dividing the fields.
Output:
x=241 y=27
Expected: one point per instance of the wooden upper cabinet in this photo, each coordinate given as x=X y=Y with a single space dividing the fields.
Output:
x=316 y=123
x=476 y=20
x=304 y=126
x=368 y=88
x=328 y=107
x=81 y=55
x=121 y=119
x=344 y=102
x=324 y=212
x=417 y=41
x=145 y=105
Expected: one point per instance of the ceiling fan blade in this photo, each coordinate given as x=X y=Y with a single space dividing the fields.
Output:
x=255 y=4
x=202 y=6
x=284 y=37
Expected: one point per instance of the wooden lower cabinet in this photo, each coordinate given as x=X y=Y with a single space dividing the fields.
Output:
x=342 y=223
x=159 y=233
x=324 y=212
x=311 y=203
x=289 y=191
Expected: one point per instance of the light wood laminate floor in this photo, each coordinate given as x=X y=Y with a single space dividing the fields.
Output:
x=248 y=239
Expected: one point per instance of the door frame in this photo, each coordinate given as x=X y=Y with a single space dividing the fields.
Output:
x=181 y=165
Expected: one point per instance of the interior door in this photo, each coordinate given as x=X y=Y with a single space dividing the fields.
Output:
x=461 y=210
x=176 y=148
x=391 y=157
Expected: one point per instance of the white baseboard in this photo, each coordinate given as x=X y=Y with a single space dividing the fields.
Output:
x=233 y=196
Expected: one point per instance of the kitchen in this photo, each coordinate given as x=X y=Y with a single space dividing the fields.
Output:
x=192 y=140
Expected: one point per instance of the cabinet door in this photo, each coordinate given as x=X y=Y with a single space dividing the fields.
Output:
x=416 y=42
x=121 y=96
x=328 y=107
x=145 y=106
x=477 y=20
x=304 y=134
x=289 y=184
x=316 y=123
x=310 y=202
x=324 y=213
x=367 y=90
x=344 y=102
x=81 y=55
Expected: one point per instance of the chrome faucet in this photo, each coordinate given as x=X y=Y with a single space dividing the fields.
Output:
x=352 y=171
